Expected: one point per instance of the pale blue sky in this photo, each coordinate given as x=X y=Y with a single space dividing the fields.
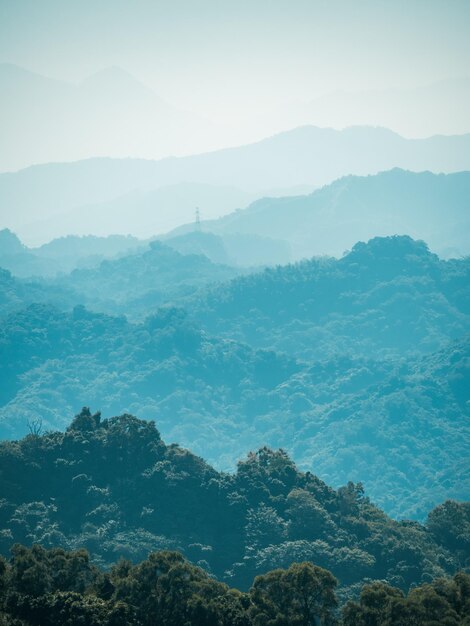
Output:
x=238 y=49
x=250 y=68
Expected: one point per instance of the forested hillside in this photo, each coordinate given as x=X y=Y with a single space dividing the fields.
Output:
x=41 y=587
x=61 y=255
x=235 y=313
x=428 y=206
x=388 y=297
x=137 y=283
x=401 y=427
x=114 y=487
x=15 y=294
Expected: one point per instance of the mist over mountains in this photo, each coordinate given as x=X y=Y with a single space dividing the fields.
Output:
x=431 y=109
x=109 y=113
x=435 y=208
x=235 y=245
x=356 y=366
x=128 y=194
x=113 y=114
x=328 y=221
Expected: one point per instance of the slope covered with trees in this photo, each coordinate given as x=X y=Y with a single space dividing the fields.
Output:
x=428 y=206
x=388 y=297
x=114 y=487
x=47 y=587
x=15 y=294
x=60 y=255
x=402 y=427
x=137 y=283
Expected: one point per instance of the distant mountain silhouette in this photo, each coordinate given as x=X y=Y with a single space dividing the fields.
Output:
x=61 y=255
x=144 y=279
x=426 y=206
x=10 y=244
x=142 y=212
x=439 y=107
x=234 y=249
x=304 y=156
x=110 y=113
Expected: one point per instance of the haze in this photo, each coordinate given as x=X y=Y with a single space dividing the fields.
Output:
x=223 y=73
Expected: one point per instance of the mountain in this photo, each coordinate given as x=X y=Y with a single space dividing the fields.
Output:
x=142 y=212
x=234 y=249
x=114 y=487
x=303 y=156
x=436 y=108
x=137 y=283
x=400 y=427
x=110 y=113
x=388 y=297
x=76 y=248
x=10 y=244
x=330 y=220
x=60 y=255
x=15 y=294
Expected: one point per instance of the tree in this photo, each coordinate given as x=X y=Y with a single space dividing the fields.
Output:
x=303 y=595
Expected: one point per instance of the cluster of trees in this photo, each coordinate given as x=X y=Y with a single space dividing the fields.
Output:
x=40 y=587
x=16 y=294
x=134 y=284
x=401 y=427
x=114 y=487
x=388 y=298
x=49 y=587
x=369 y=380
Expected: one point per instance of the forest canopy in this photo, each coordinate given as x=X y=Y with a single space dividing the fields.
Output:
x=113 y=487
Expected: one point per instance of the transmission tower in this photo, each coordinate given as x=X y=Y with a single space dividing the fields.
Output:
x=197 y=221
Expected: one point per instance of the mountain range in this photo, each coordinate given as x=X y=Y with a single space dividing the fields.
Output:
x=435 y=208
x=112 y=113
x=109 y=113
x=309 y=157
x=357 y=366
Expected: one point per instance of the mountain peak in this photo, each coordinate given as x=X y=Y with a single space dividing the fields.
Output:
x=393 y=247
x=114 y=77
x=9 y=243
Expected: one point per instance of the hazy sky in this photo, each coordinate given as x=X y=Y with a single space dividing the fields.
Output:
x=240 y=55
x=239 y=71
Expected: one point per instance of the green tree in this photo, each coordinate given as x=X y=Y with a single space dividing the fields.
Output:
x=303 y=595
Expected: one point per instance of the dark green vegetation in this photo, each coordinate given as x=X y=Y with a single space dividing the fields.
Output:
x=41 y=587
x=389 y=425
x=351 y=411
x=114 y=487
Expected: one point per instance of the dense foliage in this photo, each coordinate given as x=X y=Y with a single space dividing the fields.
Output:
x=362 y=395
x=114 y=487
x=15 y=294
x=388 y=297
x=41 y=587
x=136 y=283
x=401 y=428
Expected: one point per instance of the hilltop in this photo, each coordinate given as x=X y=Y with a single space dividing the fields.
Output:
x=114 y=487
